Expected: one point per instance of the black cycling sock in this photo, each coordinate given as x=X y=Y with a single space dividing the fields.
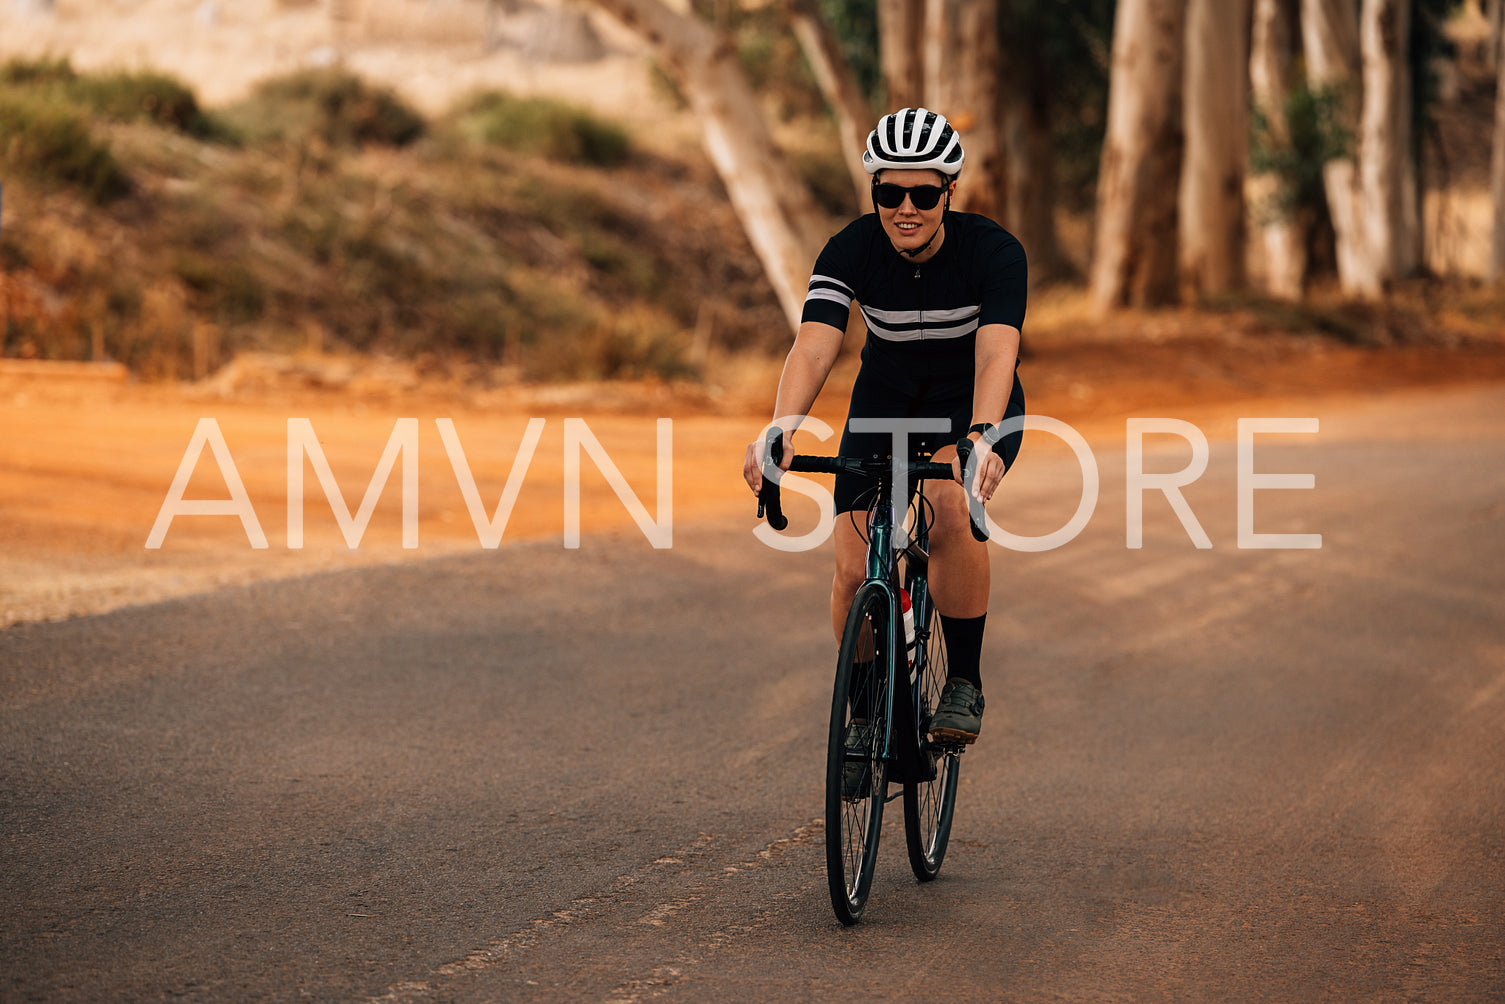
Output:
x=964 y=647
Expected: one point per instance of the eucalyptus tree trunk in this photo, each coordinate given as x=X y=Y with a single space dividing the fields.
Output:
x=901 y=28
x=1282 y=231
x=1028 y=146
x=1372 y=200
x=1212 y=231
x=962 y=83
x=1330 y=39
x=1387 y=171
x=1495 y=15
x=1134 y=259
x=1497 y=170
x=839 y=86
x=1029 y=181
x=773 y=203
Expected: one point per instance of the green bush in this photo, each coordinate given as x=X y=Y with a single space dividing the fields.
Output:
x=545 y=128
x=123 y=97
x=1314 y=134
x=333 y=105
x=34 y=72
x=150 y=97
x=50 y=141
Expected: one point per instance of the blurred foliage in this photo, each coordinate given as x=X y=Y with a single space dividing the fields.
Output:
x=1315 y=126
x=1429 y=45
x=824 y=170
x=1315 y=135
x=855 y=23
x=119 y=96
x=1058 y=52
x=450 y=250
x=770 y=55
x=151 y=97
x=49 y=141
x=46 y=115
x=1055 y=51
x=325 y=107
x=544 y=127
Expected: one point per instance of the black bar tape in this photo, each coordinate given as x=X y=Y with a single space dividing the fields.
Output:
x=768 y=497
x=974 y=505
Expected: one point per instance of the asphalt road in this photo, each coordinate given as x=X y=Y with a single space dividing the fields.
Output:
x=540 y=774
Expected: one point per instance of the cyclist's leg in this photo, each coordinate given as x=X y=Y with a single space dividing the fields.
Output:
x=960 y=580
x=960 y=570
x=960 y=577
x=851 y=561
x=960 y=566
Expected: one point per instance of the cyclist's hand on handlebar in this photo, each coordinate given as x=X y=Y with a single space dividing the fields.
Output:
x=989 y=471
x=752 y=465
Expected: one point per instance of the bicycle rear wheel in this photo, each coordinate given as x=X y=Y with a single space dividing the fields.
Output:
x=856 y=773
x=929 y=805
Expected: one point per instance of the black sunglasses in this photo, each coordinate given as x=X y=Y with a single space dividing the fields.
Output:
x=892 y=196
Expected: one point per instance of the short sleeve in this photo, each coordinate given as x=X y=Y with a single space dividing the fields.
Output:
x=832 y=283
x=1004 y=280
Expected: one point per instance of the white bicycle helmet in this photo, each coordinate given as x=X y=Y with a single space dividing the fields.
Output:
x=914 y=139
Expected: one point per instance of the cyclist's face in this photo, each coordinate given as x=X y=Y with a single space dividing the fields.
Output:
x=908 y=227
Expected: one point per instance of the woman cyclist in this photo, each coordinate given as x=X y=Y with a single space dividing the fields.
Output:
x=942 y=294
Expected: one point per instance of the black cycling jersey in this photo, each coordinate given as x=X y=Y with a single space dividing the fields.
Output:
x=919 y=360
x=923 y=316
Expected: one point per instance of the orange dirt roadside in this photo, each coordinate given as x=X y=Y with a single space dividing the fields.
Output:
x=87 y=457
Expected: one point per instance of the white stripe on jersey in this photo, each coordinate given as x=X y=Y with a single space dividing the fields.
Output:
x=914 y=325
x=823 y=287
x=835 y=295
x=916 y=316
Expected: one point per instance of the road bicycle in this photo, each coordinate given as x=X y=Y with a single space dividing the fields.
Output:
x=880 y=715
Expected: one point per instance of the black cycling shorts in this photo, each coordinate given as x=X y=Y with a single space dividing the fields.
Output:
x=882 y=393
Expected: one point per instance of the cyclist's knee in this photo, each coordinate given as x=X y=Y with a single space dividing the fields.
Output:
x=951 y=516
x=848 y=577
x=851 y=562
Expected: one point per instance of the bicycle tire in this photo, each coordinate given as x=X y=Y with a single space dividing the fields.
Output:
x=929 y=806
x=854 y=819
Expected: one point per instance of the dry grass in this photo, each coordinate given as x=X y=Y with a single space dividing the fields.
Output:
x=342 y=230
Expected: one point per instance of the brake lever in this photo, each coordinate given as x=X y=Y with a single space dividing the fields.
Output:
x=769 y=506
x=965 y=453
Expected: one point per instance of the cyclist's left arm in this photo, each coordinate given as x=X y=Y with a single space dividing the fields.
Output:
x=997 y=354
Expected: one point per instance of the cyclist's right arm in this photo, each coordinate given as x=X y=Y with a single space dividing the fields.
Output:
x=805 y=370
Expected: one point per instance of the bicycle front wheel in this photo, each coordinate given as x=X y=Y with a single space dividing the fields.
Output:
x=856 y=773
x=929 y=805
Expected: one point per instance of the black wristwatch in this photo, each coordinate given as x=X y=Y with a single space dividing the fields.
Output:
x=982 y=427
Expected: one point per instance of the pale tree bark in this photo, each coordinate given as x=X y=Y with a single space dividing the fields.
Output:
x=1387 y=174
x=1330 y=40
x=945 y=88
x=962 y=83
x=901 y=26
x=1134 y=258
x=1497 y=171
x=839 y=87
x=1211 y=214
x=1283 y=233
x=774 y=205
x=1495 y=14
